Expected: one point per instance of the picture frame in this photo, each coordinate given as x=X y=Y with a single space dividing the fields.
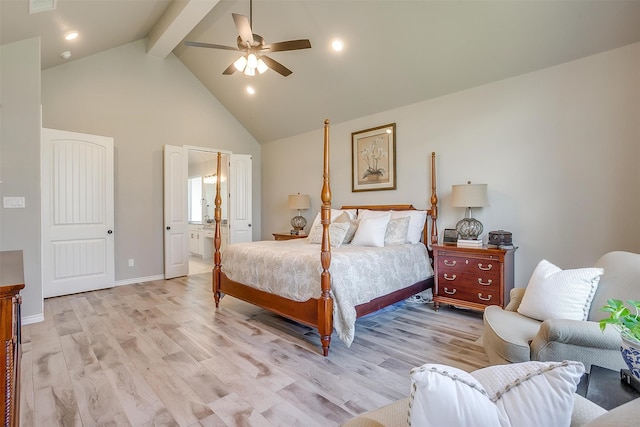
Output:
x=373 y=159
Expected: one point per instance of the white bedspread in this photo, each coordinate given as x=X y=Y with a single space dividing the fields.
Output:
x=292 y=268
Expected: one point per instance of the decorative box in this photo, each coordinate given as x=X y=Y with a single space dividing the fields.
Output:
x=500 y=237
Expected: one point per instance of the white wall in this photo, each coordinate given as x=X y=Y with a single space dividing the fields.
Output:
x=559 y=149
x=143 y=102
x=20 y=164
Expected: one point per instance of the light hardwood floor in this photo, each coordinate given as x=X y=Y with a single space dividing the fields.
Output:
x=160 y=354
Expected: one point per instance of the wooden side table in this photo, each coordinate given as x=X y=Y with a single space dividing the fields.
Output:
x=472 y=278
x=288 y=236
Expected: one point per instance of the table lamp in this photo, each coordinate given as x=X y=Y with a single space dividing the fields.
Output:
x=469 y=196
x=299 y=202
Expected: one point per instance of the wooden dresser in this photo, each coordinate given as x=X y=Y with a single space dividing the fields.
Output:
x=472 y=278
x=11 y=282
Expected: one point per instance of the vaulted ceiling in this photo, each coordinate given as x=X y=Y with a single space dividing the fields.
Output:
x=396 y=52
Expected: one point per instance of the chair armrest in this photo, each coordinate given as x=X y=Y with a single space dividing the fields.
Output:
x=579 y=333
x=515 y=297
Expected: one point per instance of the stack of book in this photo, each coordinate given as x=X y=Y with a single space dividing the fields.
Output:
x=469 y=243
x=298 y=233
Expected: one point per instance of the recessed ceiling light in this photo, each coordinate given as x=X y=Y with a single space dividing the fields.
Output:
x=337 y=45
x=71 y=35
x=65 y=55
x=250 y=90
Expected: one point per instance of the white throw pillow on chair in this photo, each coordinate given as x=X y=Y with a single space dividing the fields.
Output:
x=553 y=293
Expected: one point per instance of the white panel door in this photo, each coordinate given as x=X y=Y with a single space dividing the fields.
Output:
x=240 y=198
x=176 y=243
x=77 y=212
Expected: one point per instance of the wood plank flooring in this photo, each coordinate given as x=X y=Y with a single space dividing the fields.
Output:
x=160 y=354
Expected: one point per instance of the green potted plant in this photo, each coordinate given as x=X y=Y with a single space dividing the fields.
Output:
x=625 y=318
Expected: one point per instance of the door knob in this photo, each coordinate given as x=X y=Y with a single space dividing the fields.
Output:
x=168 y=228
x=110 y=232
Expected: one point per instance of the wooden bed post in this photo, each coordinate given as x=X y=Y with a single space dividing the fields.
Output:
x=217 y=215
x=434 y=201
x=325 y=302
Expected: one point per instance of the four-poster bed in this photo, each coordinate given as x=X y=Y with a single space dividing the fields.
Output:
x=312 y=306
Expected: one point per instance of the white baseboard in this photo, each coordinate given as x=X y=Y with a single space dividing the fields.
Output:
x=138 y=280
x=36 y=318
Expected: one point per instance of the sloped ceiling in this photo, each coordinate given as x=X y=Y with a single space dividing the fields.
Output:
x=396 y=52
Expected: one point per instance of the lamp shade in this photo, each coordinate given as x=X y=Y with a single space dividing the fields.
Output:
x=299 y=201
x=469 y=195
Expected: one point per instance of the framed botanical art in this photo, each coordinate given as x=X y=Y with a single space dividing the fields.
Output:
x=373 y=154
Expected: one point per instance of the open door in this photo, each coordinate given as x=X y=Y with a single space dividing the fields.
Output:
x=176 y=244
x=240 y=188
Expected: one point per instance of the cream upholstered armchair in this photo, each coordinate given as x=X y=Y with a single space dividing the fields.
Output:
x=510 y=337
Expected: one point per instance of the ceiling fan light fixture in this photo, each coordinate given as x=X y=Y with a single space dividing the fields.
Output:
x=249 y=71
x=262 y=67
x=252 y=61
x=240 y=63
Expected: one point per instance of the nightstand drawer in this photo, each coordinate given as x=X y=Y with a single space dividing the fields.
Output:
x=471 y=294
x=469 y=280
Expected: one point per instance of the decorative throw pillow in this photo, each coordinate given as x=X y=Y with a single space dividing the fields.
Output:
x=337 y=232
x=335 y=213
x=416 y=223
x=553 y=293
x=351 y=231
x=527 y=394
x=396 y=233
x=447 y=396
x=533 y=393
x=371 y=231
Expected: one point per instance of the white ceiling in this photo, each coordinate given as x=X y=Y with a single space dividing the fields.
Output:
x=397 y=52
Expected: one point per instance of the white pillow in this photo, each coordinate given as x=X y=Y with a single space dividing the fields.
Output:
x=447 y=396
x=553 y=293
x=527 y=394
x=371 y=231
x=532 y=394
x=416 y=221
x=396 y=233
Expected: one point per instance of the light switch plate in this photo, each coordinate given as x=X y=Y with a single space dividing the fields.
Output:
x=13 y=202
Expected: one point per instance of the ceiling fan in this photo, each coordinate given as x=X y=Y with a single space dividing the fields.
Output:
x=254 y=46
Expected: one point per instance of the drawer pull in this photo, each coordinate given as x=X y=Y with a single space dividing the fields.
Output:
x=446 y=277
x=448 y=292
x=449 y=264
x=484 y=299
x=487 y=283
x=487 y=268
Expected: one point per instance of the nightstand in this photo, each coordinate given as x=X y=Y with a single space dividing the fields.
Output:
x=287 y=236
x=472 y=278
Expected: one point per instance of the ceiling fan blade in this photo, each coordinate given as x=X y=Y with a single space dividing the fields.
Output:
x=244 y=28
x=230 y=70
x=288 y=45
x=212 y=46
x=276 y=66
